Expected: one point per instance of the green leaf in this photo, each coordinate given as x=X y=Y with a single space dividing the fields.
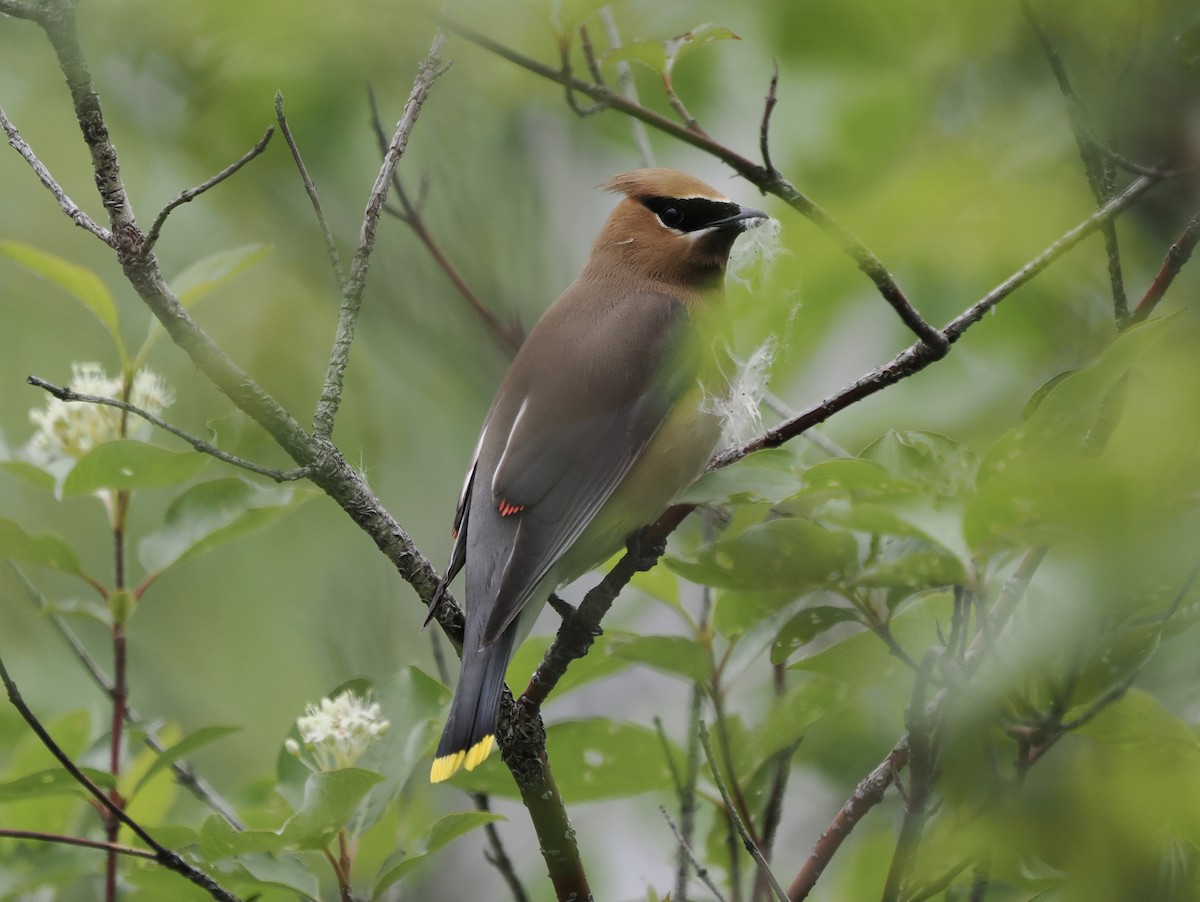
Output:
x=737 y=613
x=287 y=871
x=414 y=704
x=1140 y=719
x=677 y=655
x=211 y=514
x=45 y=549
x=31 y=473
x=1188 y=44
x=183 y=748
x=795 y=713
x=52 y=782
x=919 y=567
x=681 y=45
x=331 y=800
x=788 y=554
x=927 y=459
x=206 y=275
x=854 y=477
x=565 y=16
x=443 y=831
x=652 y=54
x=766 y=477
x=79 y=282
x=806 y=626
x=864 y=660
x=129 y=464
x=199 y=280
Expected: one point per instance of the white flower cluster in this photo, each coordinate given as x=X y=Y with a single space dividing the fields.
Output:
x=337 y=731
x=71 y=429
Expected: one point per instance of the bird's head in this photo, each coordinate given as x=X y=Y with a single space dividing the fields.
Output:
x=671 y=227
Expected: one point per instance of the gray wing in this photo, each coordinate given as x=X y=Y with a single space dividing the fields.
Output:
x=578 y=415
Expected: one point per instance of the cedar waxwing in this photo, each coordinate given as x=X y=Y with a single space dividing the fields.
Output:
x=606 y=414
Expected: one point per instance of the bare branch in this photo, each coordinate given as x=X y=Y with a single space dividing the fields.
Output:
x=310 y=188
x=764 y=130
x=1178 y=254
x=409 y=212
x=172 y=861
x=1095 y=166
x=352 y=293
x=191 y=193
x=66 y=394
x=80 y=841
x=866 y=795
x=686 y=852
x=627 y=87
x=495 y=854
x=65 y=203
x=747 y=841
x=568 y=81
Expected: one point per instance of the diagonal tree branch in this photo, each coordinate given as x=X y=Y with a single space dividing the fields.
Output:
x=352 y=293
x=1096 y=166
x=172 y=861
x=191 y=194
x=63 y=393
x=67 y=205
x=1178 y=254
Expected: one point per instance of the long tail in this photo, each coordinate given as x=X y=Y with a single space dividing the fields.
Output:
x=470 y=733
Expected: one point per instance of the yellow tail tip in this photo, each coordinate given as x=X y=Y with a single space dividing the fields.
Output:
x=447 y=766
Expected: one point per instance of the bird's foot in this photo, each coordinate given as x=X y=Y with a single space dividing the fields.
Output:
x=644 y=551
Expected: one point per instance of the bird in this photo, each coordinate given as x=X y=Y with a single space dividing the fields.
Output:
x=605 y=415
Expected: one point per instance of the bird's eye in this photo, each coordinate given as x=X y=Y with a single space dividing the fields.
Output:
x=671 y=217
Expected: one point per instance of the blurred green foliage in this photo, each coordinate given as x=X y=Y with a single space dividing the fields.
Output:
x=936 y=133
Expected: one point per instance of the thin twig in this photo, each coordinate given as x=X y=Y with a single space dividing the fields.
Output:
x=678 y=106
x=922 y=767
x=496 y=855
x=59 y=839
x=690 y=856
x=782 y=764
x=66 y=394
x=172 y=861
x=1094 y=165
x=65 y=203
x=310 y=188
x=409 y=213
x=764 y=129
x=589 y=55
x=191 y=193
x=867 y=794
x=1178 y=254
x=938 y=884
x=352 y=292
x=747 y=841
x=568 y=81
x=628 y=88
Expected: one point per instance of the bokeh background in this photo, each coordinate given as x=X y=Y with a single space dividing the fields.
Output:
x=933 y=131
